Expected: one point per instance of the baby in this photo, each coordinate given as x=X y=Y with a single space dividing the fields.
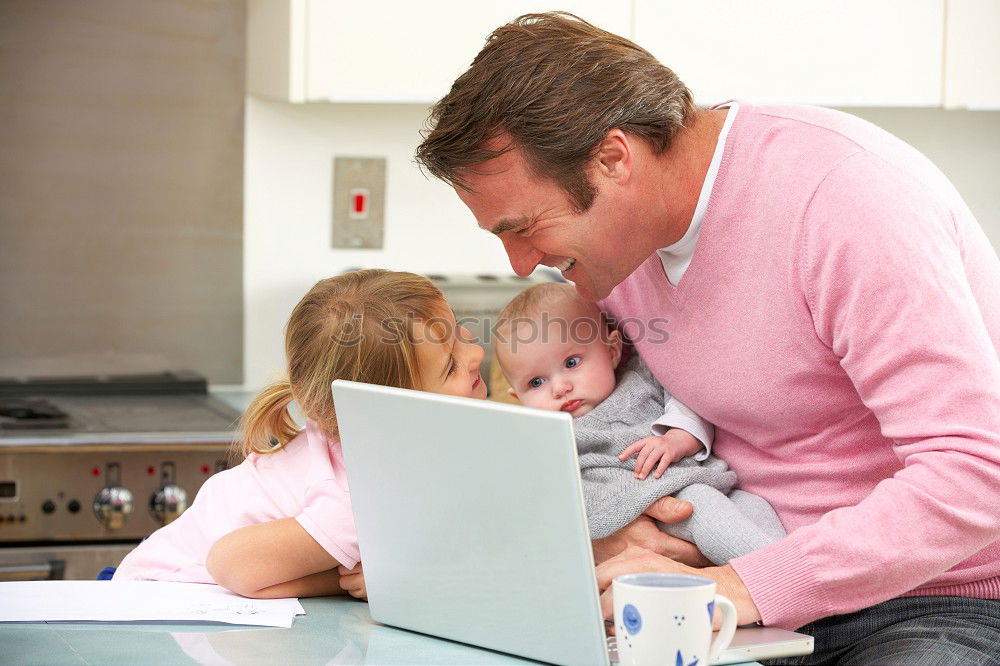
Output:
x=558 y=353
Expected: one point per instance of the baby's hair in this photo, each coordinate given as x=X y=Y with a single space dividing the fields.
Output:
x=544 y=298
x=534 y=300
x=547 y=301
x=354 y=326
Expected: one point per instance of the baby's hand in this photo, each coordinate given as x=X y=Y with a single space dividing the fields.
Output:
x=660 y=450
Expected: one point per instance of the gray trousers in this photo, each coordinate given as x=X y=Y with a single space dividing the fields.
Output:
x=725 y=526
x=909 y=631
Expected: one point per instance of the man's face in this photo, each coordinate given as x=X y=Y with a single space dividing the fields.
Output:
x=537 y=224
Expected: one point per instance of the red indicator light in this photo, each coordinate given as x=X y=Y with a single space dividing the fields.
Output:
x=95 y=471
x=359 y=203
x=151 y=470
x=204 y=469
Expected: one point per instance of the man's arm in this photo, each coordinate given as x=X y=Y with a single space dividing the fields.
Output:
x=883 y=273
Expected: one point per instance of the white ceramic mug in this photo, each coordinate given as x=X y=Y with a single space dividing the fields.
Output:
x=667 y=619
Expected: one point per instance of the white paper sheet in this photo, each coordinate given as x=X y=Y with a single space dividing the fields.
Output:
x=130 y=601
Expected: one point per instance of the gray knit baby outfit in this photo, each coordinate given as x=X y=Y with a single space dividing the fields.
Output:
x=726 y=523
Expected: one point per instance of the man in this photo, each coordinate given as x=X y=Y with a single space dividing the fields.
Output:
x=832 y=307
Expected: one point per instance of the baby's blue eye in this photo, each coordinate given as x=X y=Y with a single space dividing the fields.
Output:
x=535 y=382
x=573 y=361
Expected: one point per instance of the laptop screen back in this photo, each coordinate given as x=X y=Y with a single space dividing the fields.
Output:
x=471 y=522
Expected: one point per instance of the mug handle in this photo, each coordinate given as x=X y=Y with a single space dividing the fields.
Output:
x=728 y=630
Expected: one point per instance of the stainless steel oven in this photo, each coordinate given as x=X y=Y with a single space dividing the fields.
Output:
x=91 y=465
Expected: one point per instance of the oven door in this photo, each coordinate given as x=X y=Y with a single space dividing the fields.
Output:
x=59 y=562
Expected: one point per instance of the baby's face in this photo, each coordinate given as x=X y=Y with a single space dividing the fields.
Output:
x=560 y=373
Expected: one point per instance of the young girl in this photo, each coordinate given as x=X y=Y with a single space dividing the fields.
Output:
x=280 y=523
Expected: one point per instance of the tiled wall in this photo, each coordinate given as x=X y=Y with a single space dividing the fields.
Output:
x=121 y=205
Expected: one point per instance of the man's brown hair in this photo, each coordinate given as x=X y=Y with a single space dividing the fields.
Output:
x=556 y=85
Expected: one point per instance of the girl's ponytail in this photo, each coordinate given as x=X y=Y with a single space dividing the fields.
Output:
x=354 y=326
x=267 y=425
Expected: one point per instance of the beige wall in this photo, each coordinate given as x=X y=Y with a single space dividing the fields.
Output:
x=121 y=153
x=289 y=176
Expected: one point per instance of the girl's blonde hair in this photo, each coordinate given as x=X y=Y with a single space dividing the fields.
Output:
x=355 y=326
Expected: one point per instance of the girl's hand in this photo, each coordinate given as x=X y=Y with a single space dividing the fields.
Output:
x=353 y=581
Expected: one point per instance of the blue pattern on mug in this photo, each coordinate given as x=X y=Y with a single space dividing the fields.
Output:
x=711 y=607
x=632 y=619
x=680 y=660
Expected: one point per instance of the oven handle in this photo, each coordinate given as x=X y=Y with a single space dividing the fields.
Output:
x=48 y=570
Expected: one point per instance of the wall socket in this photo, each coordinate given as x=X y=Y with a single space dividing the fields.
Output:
x=358 y=202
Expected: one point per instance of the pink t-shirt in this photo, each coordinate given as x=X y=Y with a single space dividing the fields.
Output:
x=305 y=480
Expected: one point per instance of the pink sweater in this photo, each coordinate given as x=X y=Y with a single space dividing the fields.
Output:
x=839 y=324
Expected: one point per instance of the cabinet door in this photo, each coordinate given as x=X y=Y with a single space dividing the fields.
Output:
x=844 y=53
x=972 y=54
x=391 y=51
x=276 y=46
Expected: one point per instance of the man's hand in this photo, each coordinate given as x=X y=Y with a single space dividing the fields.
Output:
x=659 y=451
x=640 y=560
x=644 y=533
x=353 y=581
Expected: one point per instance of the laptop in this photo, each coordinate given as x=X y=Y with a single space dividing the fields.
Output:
x=472 y=527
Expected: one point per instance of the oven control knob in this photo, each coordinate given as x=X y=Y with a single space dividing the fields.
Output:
x=113 y=506
x=48 y=506
x=73 y=506
x=167 y=503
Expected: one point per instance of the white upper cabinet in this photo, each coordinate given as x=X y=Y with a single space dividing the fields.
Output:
x=382 y=50
x=843 y=53
x=972 y=61
x=832 y=53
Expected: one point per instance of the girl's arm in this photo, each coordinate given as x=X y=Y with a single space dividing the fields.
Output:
x=322 y=584
x=271 y=560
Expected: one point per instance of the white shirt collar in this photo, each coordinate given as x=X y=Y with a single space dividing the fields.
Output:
x=677 y=257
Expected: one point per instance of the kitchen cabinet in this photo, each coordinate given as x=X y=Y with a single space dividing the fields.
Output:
x=845 y=53
x=381 y=50
x=972 y=54
x=902 y=53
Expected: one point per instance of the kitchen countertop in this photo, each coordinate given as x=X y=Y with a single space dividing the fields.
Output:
x=92 y=434
x=238 y=399
x=334 y=630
